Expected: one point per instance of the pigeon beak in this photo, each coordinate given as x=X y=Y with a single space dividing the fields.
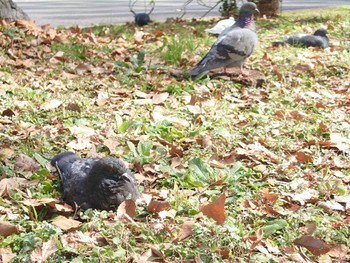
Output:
x=257 y=11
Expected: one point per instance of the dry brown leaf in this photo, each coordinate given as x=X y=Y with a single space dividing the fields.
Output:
x=331 y=205
x=159 y=98
x=42 y=253
x=82 y=131
x=338 y=251
x=80 y=144
x=52 y=104
x=6 y=254
x=128 y=207
x=307 y=196
x=65 y=223
x=323 y=127
x=186 y=231
x=303 y=157
x=216 y=209
x=83 y=68
x=157 y=205
x=196 y=110
x=8 y=184
x=167 y=214
x=8 y=113
x=58 y=57
x=30 y=25
x=76 y=239
x=315 y=246
x=26 y=164
x=270 y=197
x=7 y=229
x=297 y=115
x=342 y=143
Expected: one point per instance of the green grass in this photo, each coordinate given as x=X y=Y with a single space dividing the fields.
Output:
x=222 y=135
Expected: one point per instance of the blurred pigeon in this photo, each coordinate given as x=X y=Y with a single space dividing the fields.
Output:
x=101 y=183
x=233 y=46
x=220 y=26
x=141 y=19
x=318 y=39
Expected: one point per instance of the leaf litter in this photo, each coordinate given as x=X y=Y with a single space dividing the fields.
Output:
x=237 y=169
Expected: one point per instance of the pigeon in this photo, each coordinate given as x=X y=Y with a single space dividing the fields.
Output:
x=221 y=26
x=142 y=19
x=318 y=39
x=98 y=183
x=233 y=46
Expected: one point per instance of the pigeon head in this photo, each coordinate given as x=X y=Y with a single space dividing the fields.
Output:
x=248 y=9
x=321 y=32
x=246 y=15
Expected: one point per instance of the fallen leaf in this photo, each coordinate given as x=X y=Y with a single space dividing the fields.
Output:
x=330 y=205
x=65 y=223
x=26 y=164
x=6 y=254
x=128 y=207
x=79 y=144
x=307 y=196
x=77 y=238
x=8 y=184
x=82 y=131
x=339 y=251
x=270 y=197
x=167 y=214
x=196 y=110
x=315 y=246
x=5 y=152
x=216 y=209
x=7 y=229
x=186 y=231
x=159 y=98
x=83 y=68
x=42 y=253
x=303 y=157
x=52 y=104
x=156 y=205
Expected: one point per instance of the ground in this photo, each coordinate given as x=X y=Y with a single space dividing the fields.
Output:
x=231 y=169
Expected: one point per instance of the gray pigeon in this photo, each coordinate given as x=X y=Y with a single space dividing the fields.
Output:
x=100 y=183
x=318 y=39
x=233 y=46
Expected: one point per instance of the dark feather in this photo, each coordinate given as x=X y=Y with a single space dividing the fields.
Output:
x=101 y=183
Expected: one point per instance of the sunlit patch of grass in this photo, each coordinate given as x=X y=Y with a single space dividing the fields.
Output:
x=72 y=50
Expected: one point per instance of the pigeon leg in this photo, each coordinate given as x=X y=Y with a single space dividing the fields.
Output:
x=244 y=73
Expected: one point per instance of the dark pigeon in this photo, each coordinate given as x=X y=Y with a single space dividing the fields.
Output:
x=233 y=46
x=100 y=183
x=142 y=19
x=318 y=39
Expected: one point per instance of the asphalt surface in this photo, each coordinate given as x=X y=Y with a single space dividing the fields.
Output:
x=92 y=12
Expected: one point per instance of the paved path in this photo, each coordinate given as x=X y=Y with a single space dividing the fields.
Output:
x=89 y=12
